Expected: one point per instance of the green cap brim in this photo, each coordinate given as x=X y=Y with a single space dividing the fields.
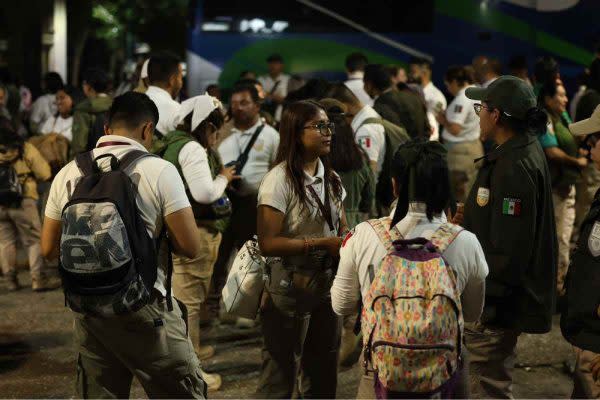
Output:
x=476 y=93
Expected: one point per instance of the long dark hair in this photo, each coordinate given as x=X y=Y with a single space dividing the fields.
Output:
x=216 y=118
x=420 y=169
x=346 y=155
x=291 y=151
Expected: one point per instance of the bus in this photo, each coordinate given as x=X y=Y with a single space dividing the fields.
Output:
x=314 y=37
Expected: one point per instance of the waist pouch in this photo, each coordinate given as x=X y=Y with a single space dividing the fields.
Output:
x=296 y=288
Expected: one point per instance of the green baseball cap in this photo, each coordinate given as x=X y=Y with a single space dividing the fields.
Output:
x=508 y=93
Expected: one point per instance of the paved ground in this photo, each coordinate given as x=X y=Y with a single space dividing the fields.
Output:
x=37 y=358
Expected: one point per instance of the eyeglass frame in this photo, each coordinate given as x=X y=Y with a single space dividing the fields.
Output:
x=480 y=106
x=330 y=125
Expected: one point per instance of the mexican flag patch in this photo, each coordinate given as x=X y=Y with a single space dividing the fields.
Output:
x=511 y=206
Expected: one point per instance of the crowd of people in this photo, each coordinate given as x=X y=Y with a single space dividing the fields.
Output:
x=417 y=235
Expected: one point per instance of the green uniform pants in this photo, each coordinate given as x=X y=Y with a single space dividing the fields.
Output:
x=150 y=344
x=463 y=170
x=491 y=360
x=300 y=352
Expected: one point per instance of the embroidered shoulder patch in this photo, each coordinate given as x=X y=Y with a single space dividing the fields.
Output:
x=458 y=108
x=348 y=236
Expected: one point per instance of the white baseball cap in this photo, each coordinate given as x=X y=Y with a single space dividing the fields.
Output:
x=587 y=126
x=144 y=73
x=200 y=106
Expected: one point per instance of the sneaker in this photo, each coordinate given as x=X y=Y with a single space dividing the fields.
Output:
x=41 y=283
x=213 y=381
x=205 y=352
x=245 y=323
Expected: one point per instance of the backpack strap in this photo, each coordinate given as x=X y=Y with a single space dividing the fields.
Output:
x=445 y=235
x=372 y=120
x=85 y=162
x=133 y=156
x=386 y=236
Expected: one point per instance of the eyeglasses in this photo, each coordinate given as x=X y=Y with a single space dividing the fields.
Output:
x=478 y=107
x=323 y=127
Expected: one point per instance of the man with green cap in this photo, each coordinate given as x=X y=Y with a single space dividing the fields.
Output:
x=580 y=321
x=510 y=210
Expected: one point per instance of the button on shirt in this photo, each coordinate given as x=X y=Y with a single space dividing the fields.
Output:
x=362 y=247
x=357 y=85
x=260 y=159
x=461 y=111
x=435 y=101
x=167 y=109
x=371 y=137
x=160 y=191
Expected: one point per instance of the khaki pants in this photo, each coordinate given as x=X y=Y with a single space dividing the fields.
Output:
x=564 y=214
x=150 y=344
x=23 y=223
x=491 y=360
x=584 y=193
x=191 y=279
x=300 y=352
x=463 y=171
x=584 y=385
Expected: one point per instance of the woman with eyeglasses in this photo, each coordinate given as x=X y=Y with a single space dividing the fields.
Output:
x=191 y=148
x=510 y=211
x=460 y=132
x=300 y=222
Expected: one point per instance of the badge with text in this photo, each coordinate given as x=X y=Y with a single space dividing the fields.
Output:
x=483 y=196
x=594 y=240
x=511 y=206
x=458 y=109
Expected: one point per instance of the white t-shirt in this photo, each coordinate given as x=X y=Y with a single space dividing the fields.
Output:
x=371 y=136
x=196 y=171
x=461 y=111
x=260 y=158
x=43 y=108
x=277 y=191
x=168 y=109
x=435 y=101
x=268 y=84
x=160 y=190
x=357 y=85
x=362 y=248
x=60 y=125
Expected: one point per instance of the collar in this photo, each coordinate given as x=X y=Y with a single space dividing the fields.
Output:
x=248 y=131
x=318 y=177
x=158 y=92
x=356 y=75
x=117 y=138
x=516 y=142
x=417 y=211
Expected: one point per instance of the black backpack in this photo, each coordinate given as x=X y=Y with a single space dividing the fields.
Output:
x=11 y=190
x=108 y=261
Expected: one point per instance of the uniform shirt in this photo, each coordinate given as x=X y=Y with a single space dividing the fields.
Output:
x=268 y=83
x=261 y=156
x=461 y=111
x=510 y=210
x=160 y=191
x=193 y=161
x=60 y=125
x=43 y=108
x=435 y=101
x=371 y=137
x=357 y=85
x=167 y=109
x=362 y=248
x=277 y=191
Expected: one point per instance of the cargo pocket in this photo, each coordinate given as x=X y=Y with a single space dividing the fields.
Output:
x=147 y=332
